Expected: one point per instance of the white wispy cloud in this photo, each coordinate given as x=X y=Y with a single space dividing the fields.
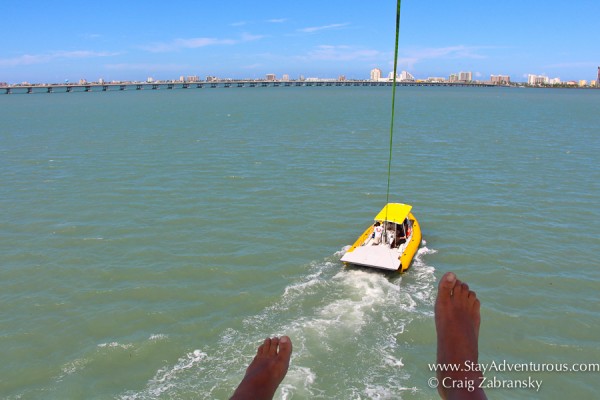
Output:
x=248 y=37
x=582 y=64
x=341 y=53
x=85 y=54
x=191 y=43
x=451 y=52
x=194 y=43
x=252 y=66
x=272 y=21
x=145 y=67
x=412 y=57
x=30 y=59
x=314 y=29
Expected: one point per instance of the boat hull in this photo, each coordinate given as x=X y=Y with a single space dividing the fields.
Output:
x=413 y=245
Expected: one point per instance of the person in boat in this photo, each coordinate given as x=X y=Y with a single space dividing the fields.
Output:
x=400 y=236
x=457 y=320
x=406 y=225
x=377 y=233
x=391 y=233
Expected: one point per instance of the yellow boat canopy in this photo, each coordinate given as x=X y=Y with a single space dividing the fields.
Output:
x=394 y=212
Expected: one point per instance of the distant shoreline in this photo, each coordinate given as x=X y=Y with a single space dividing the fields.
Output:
x=169 y=85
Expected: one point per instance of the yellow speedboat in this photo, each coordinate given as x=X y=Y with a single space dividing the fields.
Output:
x=390 y=243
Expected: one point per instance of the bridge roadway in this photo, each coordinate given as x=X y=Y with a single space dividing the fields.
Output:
x=97 y=87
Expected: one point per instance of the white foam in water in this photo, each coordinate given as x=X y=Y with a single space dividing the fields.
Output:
x=393 y=361
x=116 y=345
x=381 y=392
x=297 y=377
x=301 y=287
x=187 y=362
x=422 y=288
x=72 y=367
x=166 y=378
x=158 y=336
x=322 y=312
x=343 y=251
x=365 y=292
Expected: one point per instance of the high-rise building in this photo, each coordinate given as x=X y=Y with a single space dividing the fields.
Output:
x=535 y=80
x=453 y=78
x=598 y=79
x=375 y=74
x=500 y=79
x=465 y=76
x=270 y=77
x=406 y=76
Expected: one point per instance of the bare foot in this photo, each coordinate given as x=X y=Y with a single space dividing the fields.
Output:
x=266 y=371
x=457 y=322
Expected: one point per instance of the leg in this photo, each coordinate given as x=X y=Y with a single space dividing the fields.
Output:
x=266 y=371
x=457 y=322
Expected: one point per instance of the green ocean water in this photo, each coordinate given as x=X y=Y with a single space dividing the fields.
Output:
x=150 y=240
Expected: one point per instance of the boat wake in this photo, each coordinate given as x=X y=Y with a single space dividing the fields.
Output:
x=348 y=330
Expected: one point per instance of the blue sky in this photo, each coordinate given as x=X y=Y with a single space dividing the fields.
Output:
x=50 y=41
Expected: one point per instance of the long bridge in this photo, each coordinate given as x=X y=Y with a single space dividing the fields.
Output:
x=106 y=87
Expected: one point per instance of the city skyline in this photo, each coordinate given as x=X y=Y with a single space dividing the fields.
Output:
x=376 y=74
x=124 y=41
